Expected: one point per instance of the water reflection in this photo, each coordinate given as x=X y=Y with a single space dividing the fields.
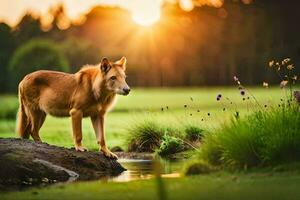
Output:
x=143 y=169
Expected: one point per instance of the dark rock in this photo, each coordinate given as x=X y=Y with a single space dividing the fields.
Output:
x=25 y=162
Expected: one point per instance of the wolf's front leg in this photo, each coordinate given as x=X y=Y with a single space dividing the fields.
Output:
x=76 y=116
x=98 y=124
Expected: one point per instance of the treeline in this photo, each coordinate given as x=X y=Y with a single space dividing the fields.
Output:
x=206 y=46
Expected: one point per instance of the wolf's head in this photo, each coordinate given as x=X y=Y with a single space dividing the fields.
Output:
x=114 y=76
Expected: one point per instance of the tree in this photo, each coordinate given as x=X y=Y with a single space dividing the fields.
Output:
x=80 y=52
x=6 y=49
x=35 y=55
x=29 y=27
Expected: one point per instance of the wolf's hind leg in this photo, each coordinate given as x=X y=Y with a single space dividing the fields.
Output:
x=37 y=119
x=76 y=116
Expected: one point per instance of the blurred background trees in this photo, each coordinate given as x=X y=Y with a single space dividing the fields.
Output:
x=34 y=55
x=205 y=46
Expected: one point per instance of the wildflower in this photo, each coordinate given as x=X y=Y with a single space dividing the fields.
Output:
x=185 y=106
x=294 y=78
x=238 y=82
x=202 y=119
x=191 y=114
x=208 y=114
x=198 y=110
x=271 y=63
x=162 y=109
x=243 y=92
x=244 y=99
x=248 y=98
x=290 y=67
x=265 y=84
x=167 y=107
x=277 y=64
x=297 y=96
x=224 y=109
x=191 y=98
x=235 y=78
x=240 y=88
x=219 y=97
x=265 y=106
x=283 y=84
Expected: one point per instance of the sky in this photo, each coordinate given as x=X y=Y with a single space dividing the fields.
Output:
x=144 y=12
x=12 y=10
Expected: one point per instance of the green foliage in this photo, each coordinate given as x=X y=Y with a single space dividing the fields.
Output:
x=195 y=167
x=170 y=145
x=35 y=55
x=151 y=135
x=193 y=133
x=262 y=138
x=9 y=107
x=6 y=49
x=145 y=136
x=80 y=52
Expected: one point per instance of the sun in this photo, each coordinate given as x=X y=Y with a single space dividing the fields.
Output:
x=145 y=19
x=146 y=12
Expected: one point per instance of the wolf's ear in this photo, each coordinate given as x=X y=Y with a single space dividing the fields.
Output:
x=105 y=67
x=122 y=62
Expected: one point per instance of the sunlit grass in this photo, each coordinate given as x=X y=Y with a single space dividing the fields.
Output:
x=173 y=107
x=260 y=139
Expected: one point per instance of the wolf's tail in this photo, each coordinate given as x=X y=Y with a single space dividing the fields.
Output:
x=23 y=121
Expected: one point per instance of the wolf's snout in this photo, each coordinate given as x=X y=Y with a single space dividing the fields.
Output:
x=126 y=90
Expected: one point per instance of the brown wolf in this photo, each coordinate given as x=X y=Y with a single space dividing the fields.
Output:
x=90 y=93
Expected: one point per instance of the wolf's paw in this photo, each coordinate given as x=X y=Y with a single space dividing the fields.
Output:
x=108 y=153
x=80 y=148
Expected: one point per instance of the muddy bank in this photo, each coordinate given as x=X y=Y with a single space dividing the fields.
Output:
x=25 y=163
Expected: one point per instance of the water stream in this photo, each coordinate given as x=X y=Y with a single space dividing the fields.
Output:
x=144 y=169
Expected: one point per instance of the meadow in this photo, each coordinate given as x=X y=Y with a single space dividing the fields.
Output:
x=208 y=108
x=173 y=107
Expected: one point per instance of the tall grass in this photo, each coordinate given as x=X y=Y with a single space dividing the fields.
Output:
x=145 y=136
x=262 y=138
x=164 y=139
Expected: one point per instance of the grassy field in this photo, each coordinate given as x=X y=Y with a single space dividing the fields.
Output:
x=175 y=107
x=225 y=186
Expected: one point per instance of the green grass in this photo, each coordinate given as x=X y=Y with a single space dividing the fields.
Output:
x=143 y=104
x=221 y=186
x=263 y=138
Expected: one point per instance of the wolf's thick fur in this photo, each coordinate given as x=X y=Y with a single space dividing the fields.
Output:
x=87 y=93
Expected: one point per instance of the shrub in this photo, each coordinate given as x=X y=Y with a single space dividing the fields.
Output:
x=170 y=145
x=262 y=138
x=37 y=54
x=198 y=167
x=9 y=107
x=193 y=133
x=151 y=136
x=145 y=136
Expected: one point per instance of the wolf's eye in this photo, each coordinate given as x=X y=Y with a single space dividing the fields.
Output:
x=113 y=78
